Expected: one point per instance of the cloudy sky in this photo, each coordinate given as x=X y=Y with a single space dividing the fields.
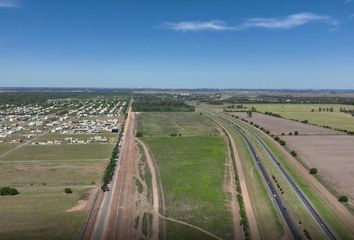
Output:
x=177 y=43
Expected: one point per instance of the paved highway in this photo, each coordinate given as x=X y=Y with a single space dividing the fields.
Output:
x=281 y=206
x=299 y=193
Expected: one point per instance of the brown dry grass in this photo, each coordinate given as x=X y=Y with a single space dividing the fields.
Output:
x=333 y=156
x=277 y=126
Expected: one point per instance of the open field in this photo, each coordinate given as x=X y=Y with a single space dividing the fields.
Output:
x=51 y=174
x=332 y=156
x=4 y=147
x=41 y=214
x=301 y=112
x=277 y=126
x=60 y=152
x=158 y=124
x=192 y=175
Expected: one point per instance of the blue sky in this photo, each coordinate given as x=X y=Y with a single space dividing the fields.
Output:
x=177 y=43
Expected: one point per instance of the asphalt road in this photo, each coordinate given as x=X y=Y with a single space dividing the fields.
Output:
x=268 y=182
x=299 y=193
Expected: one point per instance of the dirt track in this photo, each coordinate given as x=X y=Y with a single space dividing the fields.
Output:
x=155 y=191
x=230 y=187
x=247 y=201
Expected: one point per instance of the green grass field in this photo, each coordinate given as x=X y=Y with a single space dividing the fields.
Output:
x=60 y=152
x=334 y=119
x=176 y=231
x=4 y=147
x=162 y=124
x=41 y=214
x=40 y=210
x=51 y=174
x=192 y=175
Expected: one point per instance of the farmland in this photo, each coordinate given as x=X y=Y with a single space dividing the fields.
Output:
x=332 y=156
x=302 y=112
x=279 y=126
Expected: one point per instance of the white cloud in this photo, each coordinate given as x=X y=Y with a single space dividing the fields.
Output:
x=8 y=4
x=287 y=22
x=198 y=26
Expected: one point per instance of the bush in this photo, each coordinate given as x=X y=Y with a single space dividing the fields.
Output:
x=8 y=191
x=313 y=171
x=173 y=134
x=282 y=142
x=139 y=134
x=68 y=190
x=277 y=139
x=343 y=198
x=296 y=133
x=293 y=153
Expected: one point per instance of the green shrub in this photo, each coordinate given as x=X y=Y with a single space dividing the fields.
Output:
x=8 y=191
x=343 y=198
x=313 y=171
x=68 y=190
x=139 y=134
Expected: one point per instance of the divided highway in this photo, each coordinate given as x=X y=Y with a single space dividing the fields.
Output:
x=281 y=206
x=298 y=192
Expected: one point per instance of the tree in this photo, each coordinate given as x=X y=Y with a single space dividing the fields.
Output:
x=296 y=133
x=343 y=198
x=313 y=171
x=8 y=191
x=68 y=190
x=139 y=134
x=249 y=113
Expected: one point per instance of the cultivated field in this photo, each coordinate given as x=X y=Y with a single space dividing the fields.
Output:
x=301 y=112
x=332 y=156
x=277 y=126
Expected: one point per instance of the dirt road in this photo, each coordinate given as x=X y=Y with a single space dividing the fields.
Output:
x=155 y=191
x=247 y=201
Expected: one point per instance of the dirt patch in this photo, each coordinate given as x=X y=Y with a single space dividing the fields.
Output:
x=333 y=156
x=277 y=126
x=80 y=206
